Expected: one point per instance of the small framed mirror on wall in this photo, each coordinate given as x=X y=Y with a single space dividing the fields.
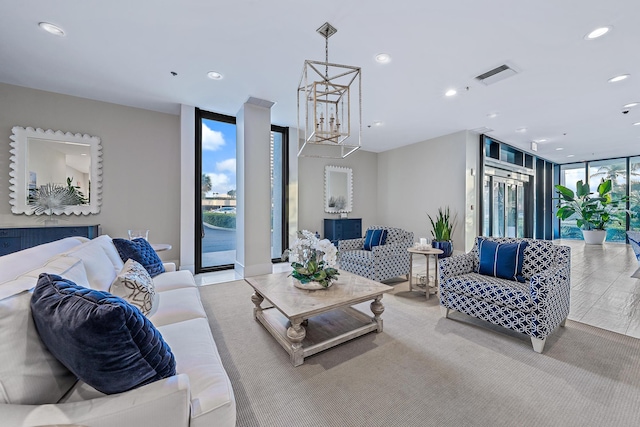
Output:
x=338 y=189
x=59 y=160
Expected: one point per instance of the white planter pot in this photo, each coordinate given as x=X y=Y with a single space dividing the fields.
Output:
x=594 y=237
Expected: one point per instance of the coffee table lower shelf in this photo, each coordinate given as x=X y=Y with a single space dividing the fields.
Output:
x=323 y=331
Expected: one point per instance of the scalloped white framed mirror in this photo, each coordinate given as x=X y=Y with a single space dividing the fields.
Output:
x=40 y=157
x=338 y=189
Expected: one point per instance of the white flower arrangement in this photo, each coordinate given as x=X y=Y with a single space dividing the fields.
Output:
x=312 y=259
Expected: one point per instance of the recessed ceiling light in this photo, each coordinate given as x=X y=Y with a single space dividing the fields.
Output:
x=618 y=78
x=598 y=32
x=214 y=75
x=521 y=130
x=559 y=149
x=383 y=58
x=51 y=29
x=571 y=155
x=492 y=115
x=630 y=105
x=450 y=92
x=636 y=124
x=540 y=140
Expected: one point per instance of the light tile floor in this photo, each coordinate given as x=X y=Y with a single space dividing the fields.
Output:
x=602 y=292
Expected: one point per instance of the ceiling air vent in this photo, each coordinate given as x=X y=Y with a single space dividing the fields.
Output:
x=495 y=75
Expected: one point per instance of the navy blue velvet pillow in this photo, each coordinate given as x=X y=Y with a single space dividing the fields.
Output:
x=106 y=342
x=502 y=260
x=374 y=238
x=140 y=250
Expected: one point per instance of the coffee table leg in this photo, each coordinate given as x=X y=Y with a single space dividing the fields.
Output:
x=295 y=334
x=257 y=299
x=377 y=309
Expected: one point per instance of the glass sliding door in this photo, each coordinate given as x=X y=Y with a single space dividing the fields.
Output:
x=504 y=210
x=498 y=208
x=486 y=206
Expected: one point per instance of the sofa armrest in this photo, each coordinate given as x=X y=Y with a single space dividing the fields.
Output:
x=350 y=244
x=162 y=403
x=550 y=282
x=169 y=266
x=455 y=265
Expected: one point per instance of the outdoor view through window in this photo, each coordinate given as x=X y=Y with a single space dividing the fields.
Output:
x=218 y=202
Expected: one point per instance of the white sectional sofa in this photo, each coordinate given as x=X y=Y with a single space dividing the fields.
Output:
x=35 y=389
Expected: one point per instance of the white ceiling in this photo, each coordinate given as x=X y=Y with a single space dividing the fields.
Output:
x=124 y=51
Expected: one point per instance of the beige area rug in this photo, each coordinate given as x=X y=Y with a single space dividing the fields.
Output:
x=424 y=370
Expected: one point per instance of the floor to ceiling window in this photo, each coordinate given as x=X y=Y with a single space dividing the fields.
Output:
x=216 y=239
x=616 y=171
x=279 y=167
x=569 y=176
x=625 y=181
x=634 y=192
x=216 y=203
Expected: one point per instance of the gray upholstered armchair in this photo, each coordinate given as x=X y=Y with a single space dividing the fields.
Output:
x=380 y=263
x=535 y=306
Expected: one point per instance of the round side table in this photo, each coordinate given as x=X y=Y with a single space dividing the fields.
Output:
x=426 y=252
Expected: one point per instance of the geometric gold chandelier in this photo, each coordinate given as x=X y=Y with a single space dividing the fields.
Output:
x=329 y=106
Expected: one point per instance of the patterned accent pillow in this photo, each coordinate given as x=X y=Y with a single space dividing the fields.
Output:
x=140 y=250
x=502 y=260
x=101 y=338
x=374 y=238
x=134 y=285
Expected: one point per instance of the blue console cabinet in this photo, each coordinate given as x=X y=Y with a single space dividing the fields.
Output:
x=341 y=229
x=13 y=239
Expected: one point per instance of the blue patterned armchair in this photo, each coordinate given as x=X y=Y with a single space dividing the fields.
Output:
x=634 y=241
x=382 y=262
x=535 y=307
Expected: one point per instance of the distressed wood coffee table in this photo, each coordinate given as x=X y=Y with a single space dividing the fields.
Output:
x=307 y=322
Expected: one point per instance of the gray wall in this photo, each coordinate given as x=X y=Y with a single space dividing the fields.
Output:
x=141 y=172
x=311 y=189
x=417 y=179
x=141 y=160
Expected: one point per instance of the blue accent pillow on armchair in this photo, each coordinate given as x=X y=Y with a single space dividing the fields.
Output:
x=141 y=251
x=502 y=260
x=105 y=341
x=374 y=238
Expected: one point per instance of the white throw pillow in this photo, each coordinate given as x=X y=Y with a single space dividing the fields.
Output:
x=29 y=373
x=135 y=285
x=100 y=270
x=69 y=267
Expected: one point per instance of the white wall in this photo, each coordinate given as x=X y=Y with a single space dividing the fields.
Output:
x=311 y=190
x=141 y=160
x=415 y=180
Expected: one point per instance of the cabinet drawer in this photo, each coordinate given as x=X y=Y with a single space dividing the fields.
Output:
x=9 y=245
x=9 y=232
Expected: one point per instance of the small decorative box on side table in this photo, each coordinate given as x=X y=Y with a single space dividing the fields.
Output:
x=426 y=252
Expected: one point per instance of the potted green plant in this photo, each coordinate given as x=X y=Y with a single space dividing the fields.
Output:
x=442 y=229
x=592 y=211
